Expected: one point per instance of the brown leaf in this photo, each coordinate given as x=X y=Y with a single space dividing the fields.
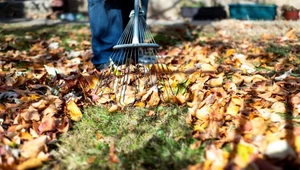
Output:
x=48 y=125
x=2 y=108
x=32 y=148
x=41 y=104
x=150 y=113
x=50 y=111
x=63 y=125
x=30 y=114
x=289 y=35
x=91 y=159
x=295 y=103
x=112 y=156
x=154 y=99
x=258 y=126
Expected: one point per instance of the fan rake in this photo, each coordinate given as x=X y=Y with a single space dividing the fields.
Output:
x=136 y=71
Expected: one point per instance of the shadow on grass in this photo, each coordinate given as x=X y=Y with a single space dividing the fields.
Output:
x=32 y=44
x=141 y=141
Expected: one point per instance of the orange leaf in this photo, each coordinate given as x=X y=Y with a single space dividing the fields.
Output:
x=31 y=163
x=31 y=97
x=2 y=108
x=26 y=136
x=112 y=156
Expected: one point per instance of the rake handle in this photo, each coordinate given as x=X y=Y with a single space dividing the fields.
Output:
x=135 y=39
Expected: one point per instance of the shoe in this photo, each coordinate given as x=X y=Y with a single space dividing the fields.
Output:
x=100 y=67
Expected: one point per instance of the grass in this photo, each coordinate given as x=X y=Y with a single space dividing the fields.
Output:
x=278 y=50
x=23 y=38
x=159 y=141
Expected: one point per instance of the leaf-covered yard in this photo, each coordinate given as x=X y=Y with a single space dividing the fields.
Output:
x=237 y=103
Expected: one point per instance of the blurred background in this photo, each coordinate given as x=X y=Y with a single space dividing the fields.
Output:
x=77 y=9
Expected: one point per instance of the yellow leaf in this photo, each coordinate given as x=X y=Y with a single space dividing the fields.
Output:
x=93 y=81
x=289 y=35
x=244 y=151
x=201 y=127
x=232 y=109
x=25 y=136
x=215 y=82
x=125 y=100
x=279 y=107
x=230 y=52
x=73 y=111
x=236 y=100
x=258 y=126
x=237 y=79
x=203 y=113
x=297 y=143
x=140 y=104
x=113 y=108
x=182 y=98
x=208 y=68
x=43 y=156
x=234 y=106
x=31 y=97
x=31 y=163
x=190 y=67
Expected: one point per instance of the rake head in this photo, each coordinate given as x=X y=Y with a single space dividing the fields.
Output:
x=136 y=73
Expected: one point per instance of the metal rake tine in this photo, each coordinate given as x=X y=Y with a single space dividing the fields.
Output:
x=127 y=31
x=124 y=82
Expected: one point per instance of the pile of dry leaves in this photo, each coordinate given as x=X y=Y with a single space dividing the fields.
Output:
x=245 y=101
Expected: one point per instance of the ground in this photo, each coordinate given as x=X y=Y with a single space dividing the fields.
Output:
x=236 y=104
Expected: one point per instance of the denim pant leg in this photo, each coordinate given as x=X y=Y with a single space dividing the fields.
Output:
x=106 y=26
x=145 y=7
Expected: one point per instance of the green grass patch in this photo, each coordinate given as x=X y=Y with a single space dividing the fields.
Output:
x=278 y=50
x=24 y=38
x=159 y=141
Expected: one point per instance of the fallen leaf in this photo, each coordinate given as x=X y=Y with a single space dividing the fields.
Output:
x=31 y=149
x=73 y=111
x=112 y=155
x=30 y=114
x=48 y=125
x=31 y=163
x=113 y=108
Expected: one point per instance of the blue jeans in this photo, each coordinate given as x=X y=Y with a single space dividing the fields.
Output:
x=108 y=19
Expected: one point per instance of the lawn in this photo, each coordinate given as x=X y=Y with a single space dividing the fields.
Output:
x=236 y=104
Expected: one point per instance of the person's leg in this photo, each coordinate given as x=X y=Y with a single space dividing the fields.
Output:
x=145 y=7
x=106 y=26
